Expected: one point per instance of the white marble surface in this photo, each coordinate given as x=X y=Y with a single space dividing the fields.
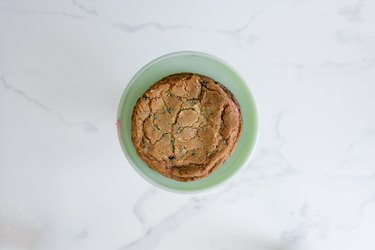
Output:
x=65 y=184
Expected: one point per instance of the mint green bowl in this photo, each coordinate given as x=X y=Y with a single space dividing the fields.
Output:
x=201 y=63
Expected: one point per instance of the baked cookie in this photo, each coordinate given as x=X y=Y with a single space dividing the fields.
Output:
x=185 y=126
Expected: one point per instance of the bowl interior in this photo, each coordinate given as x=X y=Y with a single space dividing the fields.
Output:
x=200 y=63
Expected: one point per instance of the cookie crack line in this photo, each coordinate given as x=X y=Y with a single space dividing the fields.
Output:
x=144 y=131
x=173 y=138
x=180 y=132
x=222 y=118
x=158 y=140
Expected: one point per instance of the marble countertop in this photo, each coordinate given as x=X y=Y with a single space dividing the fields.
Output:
x=65 y=183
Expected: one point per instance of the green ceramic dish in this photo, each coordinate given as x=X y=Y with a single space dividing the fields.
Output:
x=201 y=63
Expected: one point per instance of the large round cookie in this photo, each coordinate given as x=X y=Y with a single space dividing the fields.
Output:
x=185 y=126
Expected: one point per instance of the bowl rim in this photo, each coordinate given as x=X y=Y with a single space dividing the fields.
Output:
x=255 y=123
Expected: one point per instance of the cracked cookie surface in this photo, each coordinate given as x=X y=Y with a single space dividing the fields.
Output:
x=185 y=126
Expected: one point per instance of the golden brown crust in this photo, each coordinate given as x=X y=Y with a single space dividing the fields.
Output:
x=186 y=125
